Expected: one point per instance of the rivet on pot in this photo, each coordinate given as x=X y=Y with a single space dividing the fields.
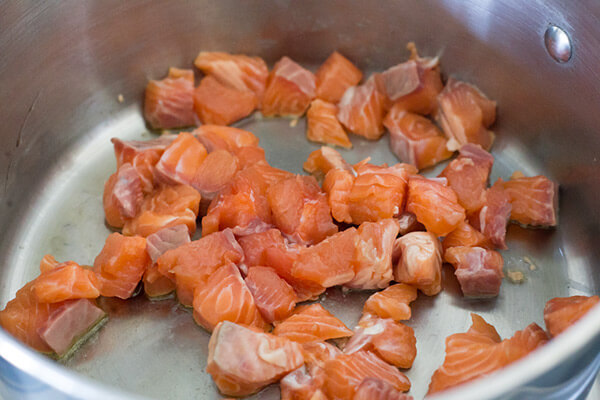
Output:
x=558 y=44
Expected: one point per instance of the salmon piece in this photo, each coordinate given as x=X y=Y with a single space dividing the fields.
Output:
x=493 y=217
x=420 y=263
x=478 y=270
x=562 y=312
x=273 y=296
x=169 y=103
x=225 y=297
x=48 y=263
x=335 y=76
x=415 y=139
x=435 y=205
x=215 y=173
x=317 y=353
x=464 y=114
x=328 y=263
x=323 y=125
x=218 y=104
x=338 y=185
x=166 y=207
x=361 y=110
x=123 y=195
x=242 y=360
x=157 y=285
x=372 y=260
x=321 y=161
x=66 y=282
x=217 y=137
x=468 y=176
x=534 y=200
x=311 y=323
x=300 y=210
x=407 y=222
x=181 y=160
x=236 y=71
x=290 y=89
x=346 y=372
x=376 y=389
x=465 y=235
x=298 y=385
x=399 y=80
x=479 y=352
x=193 y=263
x=120 y=265
x=392 y=302
x=393 y=342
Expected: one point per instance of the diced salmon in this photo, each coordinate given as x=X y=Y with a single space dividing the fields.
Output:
x=300 y=210
x=372 y=260
x=562 y=312
x=217 y=137
x=415 y=139
x=218 y=104
x=407 y=222
x=361 y=110
x=465 y=235
x=66 y=282
x=338 y=185
x=181 y=160
x=249 y=155
x=392 y=302
x=328 y=263
x=493 y=216
x=242 y=361
x=120 y=265
x=290 y=89
x=157 y=285
x=193 y=263
x=335 y=76
x=224 y=296
x=48 y=263
x=479 y=352
x=534 y=200
x=323 y=125
x=169 y=103
x=420 y=263
x=346 y=372
x=317 y=353
x=166 y=207
x=435 y=205
x=236 y=71
x=478 y=270
x=399 y=80
x=393 y=342
x=298 y=385
x=468 y=176
x=376 y=389
x=123 y=195
x=311 y=323
x=126 y=151
x=464 y=114
x=215 y=173
x=273 y=296
x=321 y=161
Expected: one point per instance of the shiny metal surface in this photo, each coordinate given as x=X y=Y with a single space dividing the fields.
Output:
x=558 y=44
x=63 y=65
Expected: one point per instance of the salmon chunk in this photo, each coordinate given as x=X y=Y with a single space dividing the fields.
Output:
x=478 y=270
x=218 y=104
x=323 y=125
x=361 y=110
x=335 y=76
x=169 y=103
x=393 y=302
x=534 y=200
x=311 y=323
x=420 y=263
x=562 y=312
x=290 y=89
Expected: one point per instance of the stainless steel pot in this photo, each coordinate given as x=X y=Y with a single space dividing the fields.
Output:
x=63 y=65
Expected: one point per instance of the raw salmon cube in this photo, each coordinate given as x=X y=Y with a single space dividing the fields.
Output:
x=465 y=114
x=68 y=281
x=220 y=105
x=157 y=285
x=415 y=139
x=300 y=210
x=242 y=361
x=126 y=151
x=317 y=353
x=311 y=323
x=435 y=205
x=393 y=342
x=392 y=302
x=323 y=125
x=334 y=76
x=328 y=263
x=399 y=80
x=420 y=263
x=120 y=265
x=465 y=235
x=478 y=270
x=123 y=195
x=225 y=297
x=236 y=71
x=217 y=137
x=166 y=239
x=372 y=260
x=321 y=161
x=468 y=176
x=169 y=103
x=361 y=110
x=181 y=160
x=407 y=222
x=215 y=173
x=338 y=185
x=166 y=207
x=562 y=312
x=534 y=200
x=493 y=216
x=298 y=384
x=273 y=296
x=376 y=389
x=290 y=89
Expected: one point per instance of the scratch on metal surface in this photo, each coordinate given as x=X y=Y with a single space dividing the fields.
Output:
x=29 y=112
x=7 y=175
